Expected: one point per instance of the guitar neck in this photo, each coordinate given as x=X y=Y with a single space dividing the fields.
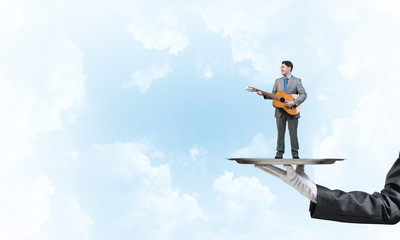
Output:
x=269 y=95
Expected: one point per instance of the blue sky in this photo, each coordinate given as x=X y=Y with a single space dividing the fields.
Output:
x=117 y=116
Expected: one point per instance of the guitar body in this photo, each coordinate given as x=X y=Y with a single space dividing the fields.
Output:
x=284 y=97
x=279 y=99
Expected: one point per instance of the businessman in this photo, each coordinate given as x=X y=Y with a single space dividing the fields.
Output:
x=290 y=85
x=354 y=207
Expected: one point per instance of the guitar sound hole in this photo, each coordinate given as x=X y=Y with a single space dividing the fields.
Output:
x=282 y=99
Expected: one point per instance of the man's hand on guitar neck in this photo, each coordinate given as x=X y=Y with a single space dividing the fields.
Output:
x=260 y=93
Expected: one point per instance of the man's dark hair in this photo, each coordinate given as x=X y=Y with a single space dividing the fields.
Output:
x=288 y=64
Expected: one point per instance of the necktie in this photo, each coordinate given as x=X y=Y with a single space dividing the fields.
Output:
x=286 y=81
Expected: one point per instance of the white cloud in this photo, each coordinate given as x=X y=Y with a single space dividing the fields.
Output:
x=387 y=7
x=389 y=232
x=67 y=218
x=155 y=207
x=345 y=17
x=367 y=137
x=24 y=205
x=242 y=192
x=198 y=154
x=204 y=72
x=322 y=96
x=41 y=83
x=11 y=17
x=142 y=79
x=345 y=12
x=368 y=141
x=78 y=220
x=242 y=209
x=73 y=159
x=31 y=105
x=159 y=26
x=259 y=147
x=248 y=24
x=35 y=100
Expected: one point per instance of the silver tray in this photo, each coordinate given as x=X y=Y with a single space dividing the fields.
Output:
x=273 y=161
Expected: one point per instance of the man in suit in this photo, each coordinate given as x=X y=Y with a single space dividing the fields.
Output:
x=290 y=85
x=337 y=205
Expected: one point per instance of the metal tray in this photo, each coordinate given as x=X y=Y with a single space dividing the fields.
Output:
x=273 y=161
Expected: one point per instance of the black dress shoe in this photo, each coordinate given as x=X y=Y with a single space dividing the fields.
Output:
x=296 y=158
x=278 y=157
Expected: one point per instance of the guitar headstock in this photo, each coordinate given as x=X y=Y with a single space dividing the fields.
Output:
x=251 y=89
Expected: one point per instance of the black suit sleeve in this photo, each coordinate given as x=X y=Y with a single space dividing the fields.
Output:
x=361 y=207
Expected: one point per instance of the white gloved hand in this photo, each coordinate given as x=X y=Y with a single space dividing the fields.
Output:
x=297 y=179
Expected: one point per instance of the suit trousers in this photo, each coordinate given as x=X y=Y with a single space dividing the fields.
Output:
x=281 y=127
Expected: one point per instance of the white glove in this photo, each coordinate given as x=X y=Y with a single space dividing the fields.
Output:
x=297 y=179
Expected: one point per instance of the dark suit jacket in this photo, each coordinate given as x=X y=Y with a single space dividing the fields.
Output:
x=361 y=207
x=294 y=87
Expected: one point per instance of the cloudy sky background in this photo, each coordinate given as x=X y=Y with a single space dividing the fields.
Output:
x=117 y=116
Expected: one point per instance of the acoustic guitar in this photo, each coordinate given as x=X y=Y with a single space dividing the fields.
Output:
x=279 y=100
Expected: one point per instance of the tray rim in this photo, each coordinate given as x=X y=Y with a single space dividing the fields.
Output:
x=273 y=161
